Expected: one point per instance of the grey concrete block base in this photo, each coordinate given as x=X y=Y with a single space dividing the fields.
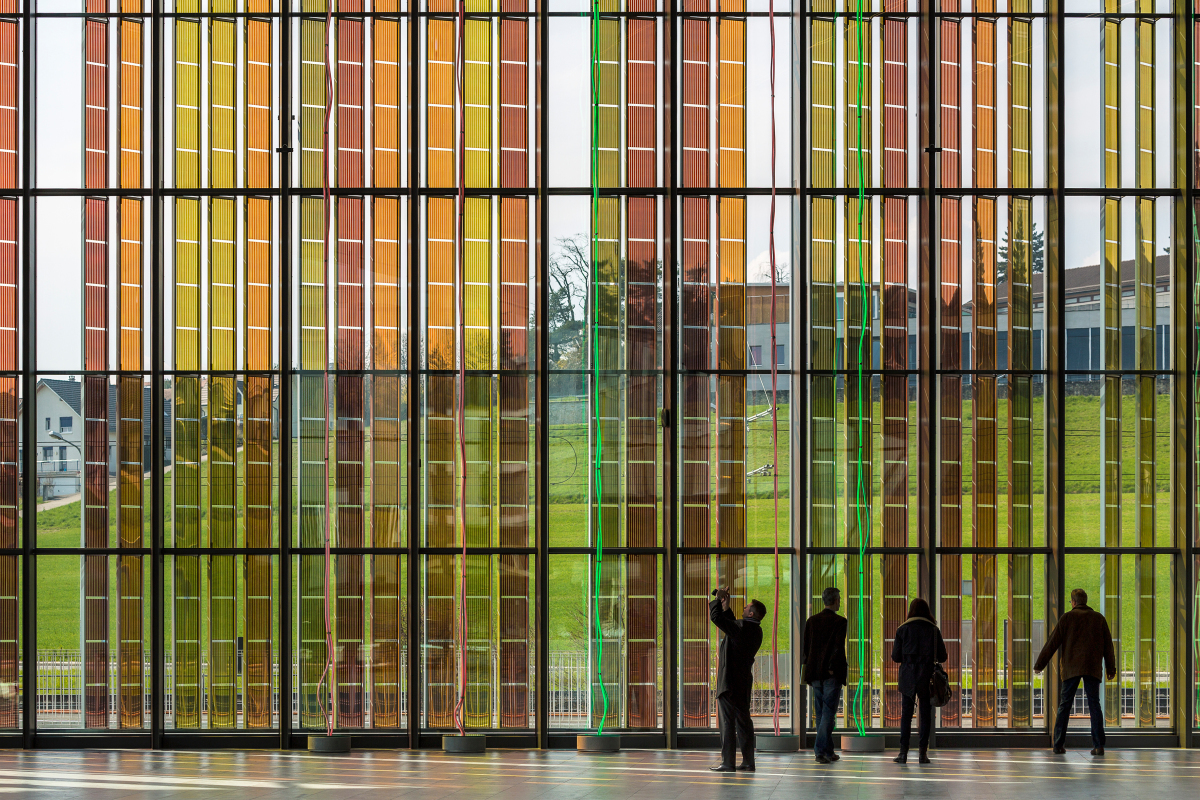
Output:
x=853 y=743
x=467 y=743
x=329 y=744
x=602 y=743
x=777 y=743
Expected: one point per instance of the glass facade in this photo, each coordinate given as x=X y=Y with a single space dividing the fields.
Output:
x=407 y=366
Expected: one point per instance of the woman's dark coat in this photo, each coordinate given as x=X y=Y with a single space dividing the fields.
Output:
x=917 y=648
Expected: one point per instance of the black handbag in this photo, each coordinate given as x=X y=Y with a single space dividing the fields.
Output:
x=939 y=687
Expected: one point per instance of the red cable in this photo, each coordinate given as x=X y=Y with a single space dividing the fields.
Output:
x=774 y=382
x=459 y=74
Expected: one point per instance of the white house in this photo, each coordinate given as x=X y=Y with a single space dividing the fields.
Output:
x=60 y=435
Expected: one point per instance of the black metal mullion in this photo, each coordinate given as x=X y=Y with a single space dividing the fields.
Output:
x=798 y=380
x=1054 y=337
x=670 y=427
x=286 y=521
x=28 y=365
x=928 y=301
x=157 y=405
x=1183 y=400
x=413 y=539
x=542 y=578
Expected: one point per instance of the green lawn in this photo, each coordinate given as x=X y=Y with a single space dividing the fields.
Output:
x=58 y=577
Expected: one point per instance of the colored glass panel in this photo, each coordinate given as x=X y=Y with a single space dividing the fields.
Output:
x=259 y=402
x=822 y=334
x=950 y=327
x=515 y=423
x=10 y=308
x=894 y=344
x=1145 y=343
x=695 y=390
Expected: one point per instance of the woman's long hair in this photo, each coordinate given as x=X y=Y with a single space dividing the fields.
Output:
x=919 y=608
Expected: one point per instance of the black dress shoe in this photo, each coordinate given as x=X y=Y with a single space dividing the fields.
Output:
x=1058 y=751
x=746 y=767
x=722 y=768
x=834 y=757
x=901 y=759
x=923 y=759
x=1097 y=751
x=824 y=760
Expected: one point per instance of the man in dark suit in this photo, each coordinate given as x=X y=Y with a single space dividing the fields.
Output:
x=735 y=664
x=1087 y=648
x=825 y=668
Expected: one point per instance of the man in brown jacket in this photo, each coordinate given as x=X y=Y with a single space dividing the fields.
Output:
x=1087 y=645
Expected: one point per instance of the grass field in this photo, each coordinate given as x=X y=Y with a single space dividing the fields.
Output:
x=569 y=613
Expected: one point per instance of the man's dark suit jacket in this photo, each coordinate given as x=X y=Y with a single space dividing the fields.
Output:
x=735 y=660
x=1086 y=643
x=825 y=647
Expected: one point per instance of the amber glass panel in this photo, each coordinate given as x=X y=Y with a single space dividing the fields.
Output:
x=96 y=388
x=131 y=397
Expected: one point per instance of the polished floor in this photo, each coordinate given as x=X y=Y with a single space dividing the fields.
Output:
x=260 y=775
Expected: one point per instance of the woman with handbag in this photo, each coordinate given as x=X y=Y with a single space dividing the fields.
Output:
x=918 y=649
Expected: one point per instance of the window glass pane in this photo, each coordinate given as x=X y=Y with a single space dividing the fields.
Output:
x=1126 y=589
x=605 y=628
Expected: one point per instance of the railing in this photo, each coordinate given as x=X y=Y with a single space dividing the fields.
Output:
x=1128 y=679
x=60 y=691
x=55 y=466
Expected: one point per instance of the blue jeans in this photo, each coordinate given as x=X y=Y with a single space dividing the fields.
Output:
x=1066 y=701
x=826 y=694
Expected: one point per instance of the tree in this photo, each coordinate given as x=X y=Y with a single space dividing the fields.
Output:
x=1037 y=244
x=783 y=273
x=570 y=265
x=568 y=315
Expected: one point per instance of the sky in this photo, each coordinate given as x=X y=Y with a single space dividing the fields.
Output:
x=59 y=161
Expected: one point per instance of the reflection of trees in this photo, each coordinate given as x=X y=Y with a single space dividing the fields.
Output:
x=390 y=352
x=570 y=275
x=783 y=274
x=570 y=266
x=1037 y=247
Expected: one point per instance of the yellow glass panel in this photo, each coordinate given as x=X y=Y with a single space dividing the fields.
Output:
x=222 y=275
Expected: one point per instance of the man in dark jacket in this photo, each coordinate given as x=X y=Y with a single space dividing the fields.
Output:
x=1086 y=643
x=825 y=668
x=735 y=664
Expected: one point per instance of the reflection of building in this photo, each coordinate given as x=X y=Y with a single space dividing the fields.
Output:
x=239 y=404
x=60 y=435
x=1084 y=318
x=758 y=338
x=1083 y=321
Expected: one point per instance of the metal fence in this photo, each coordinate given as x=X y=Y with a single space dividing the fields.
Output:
x=60 y=691
x=1128 y=679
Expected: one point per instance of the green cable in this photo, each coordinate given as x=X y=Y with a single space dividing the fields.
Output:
x=596 y=467
x=860 y=496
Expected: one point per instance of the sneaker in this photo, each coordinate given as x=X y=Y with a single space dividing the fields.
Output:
x=823 y=759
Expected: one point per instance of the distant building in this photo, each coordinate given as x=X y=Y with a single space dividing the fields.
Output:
x=1083 y=316
x=1084 y=319
x=59 y=443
